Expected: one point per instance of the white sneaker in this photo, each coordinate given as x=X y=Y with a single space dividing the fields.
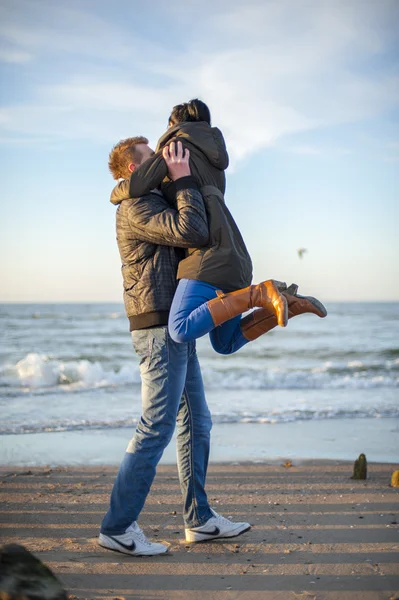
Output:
x=216 y=527
x=132 y=542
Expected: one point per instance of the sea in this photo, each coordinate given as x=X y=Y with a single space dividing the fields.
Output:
x=72 y=367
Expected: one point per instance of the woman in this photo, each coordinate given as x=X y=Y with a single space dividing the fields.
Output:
x=214 y=281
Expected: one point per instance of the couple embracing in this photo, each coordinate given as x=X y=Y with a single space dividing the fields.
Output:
x=186 y=272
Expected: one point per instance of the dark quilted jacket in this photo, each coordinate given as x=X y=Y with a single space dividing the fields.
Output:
x=149 y=234
x=224 y=261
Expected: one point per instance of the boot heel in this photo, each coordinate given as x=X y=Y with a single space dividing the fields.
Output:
x=278 y=301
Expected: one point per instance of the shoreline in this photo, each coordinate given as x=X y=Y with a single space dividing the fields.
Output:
x=337 y=439
x=316 y=533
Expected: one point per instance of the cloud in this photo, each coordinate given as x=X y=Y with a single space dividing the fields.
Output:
x=75 y=30
x=267 y=70
x=14 y=56
x=304 y=150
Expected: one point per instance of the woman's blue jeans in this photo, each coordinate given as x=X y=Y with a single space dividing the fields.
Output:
x=190 y=318
x=172 y=393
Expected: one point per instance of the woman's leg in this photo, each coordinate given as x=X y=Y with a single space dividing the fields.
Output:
x=199 y=307
x=228 y=338
x=189 y=316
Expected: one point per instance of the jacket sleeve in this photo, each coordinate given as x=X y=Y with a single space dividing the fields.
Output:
x=153 y=220
x=148 y=176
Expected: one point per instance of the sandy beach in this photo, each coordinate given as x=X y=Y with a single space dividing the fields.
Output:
x=317 y=534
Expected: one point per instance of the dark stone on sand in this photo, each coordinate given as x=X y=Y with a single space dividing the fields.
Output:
x=25 y=577
x=360 y=468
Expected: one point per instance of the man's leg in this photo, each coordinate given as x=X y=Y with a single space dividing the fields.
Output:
x=194 y=424
x=163 y=367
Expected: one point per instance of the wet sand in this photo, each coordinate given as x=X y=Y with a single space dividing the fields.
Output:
x=326 y=439
x=317 y=534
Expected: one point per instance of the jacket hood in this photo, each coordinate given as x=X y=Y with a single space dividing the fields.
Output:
x=120 y=192
x=208 y=139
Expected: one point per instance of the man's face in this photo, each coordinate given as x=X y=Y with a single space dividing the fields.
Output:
x=144 y=152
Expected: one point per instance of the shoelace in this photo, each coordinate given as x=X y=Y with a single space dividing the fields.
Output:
x=221 y=519
x=140 y=534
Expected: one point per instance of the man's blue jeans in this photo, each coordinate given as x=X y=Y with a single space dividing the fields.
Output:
x=172 y=392
x=190 y=318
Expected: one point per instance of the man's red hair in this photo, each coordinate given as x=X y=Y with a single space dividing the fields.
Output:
x=123 y=154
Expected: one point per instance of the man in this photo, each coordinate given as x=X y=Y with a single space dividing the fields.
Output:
x=149 y=235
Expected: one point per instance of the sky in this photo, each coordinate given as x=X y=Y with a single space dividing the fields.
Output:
x=306 y=93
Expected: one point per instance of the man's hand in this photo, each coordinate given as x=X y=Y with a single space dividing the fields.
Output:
x=177 y=160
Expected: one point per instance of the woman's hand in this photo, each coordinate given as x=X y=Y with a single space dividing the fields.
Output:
x=177 y=160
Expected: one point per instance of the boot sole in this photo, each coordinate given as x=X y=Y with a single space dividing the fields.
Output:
x=321 y=309
x=318 y=308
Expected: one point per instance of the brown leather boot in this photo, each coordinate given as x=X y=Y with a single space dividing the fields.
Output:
x=263 y=320
x=298 y=305
x=257 y=323
x=265 y=294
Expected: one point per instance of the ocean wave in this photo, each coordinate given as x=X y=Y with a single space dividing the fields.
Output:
x=272 y=417
x=391 y=352
x=317 y=378
x=36 y=372
x=64 y=316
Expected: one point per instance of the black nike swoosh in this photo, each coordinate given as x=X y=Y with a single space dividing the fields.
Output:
x=130 y=547
x=216 y=531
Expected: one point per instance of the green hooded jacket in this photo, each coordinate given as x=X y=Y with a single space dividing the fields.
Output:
x=224 y=262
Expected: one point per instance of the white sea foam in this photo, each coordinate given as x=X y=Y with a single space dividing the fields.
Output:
x=40 y=371
x=353 y=364
x=37 y=371
x=72 y=367
x=93 y=421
